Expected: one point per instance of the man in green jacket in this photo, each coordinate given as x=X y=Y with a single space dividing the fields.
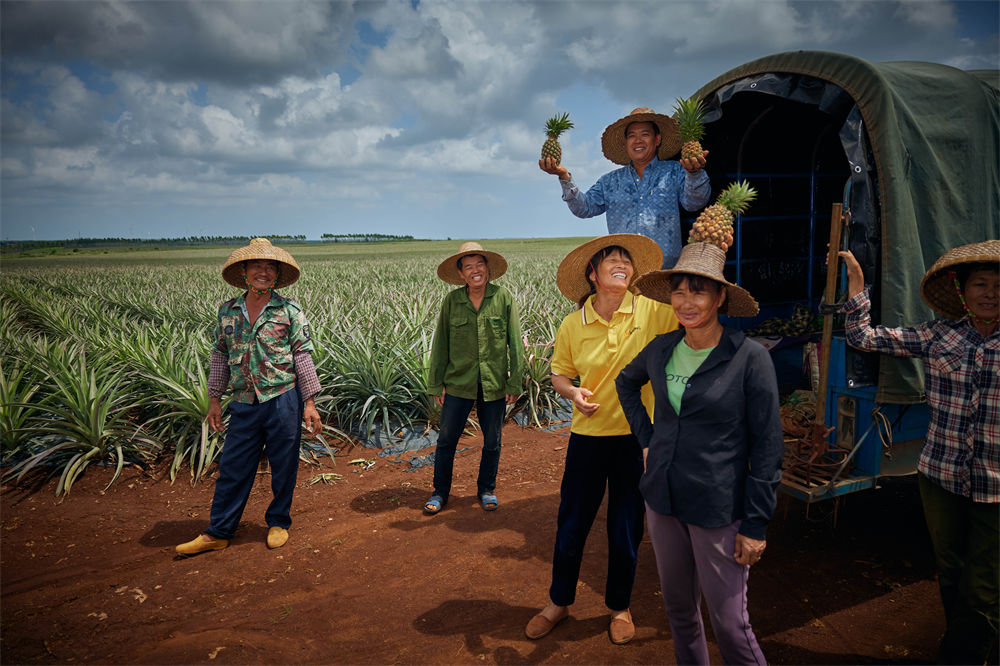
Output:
x=477 y=358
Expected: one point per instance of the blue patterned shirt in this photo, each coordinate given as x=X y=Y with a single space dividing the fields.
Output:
x=647 y=206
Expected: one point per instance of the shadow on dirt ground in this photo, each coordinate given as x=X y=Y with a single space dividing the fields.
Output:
x=367 y=578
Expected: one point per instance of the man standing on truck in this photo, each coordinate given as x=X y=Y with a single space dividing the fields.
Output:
x=643 y=196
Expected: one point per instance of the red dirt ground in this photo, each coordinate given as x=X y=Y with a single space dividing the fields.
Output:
x=366 y=578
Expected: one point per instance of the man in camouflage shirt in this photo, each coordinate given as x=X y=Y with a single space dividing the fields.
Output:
x=263 y=350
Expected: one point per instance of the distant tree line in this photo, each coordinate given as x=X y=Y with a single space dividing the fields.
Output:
x=188 y=241
x=363 y=238
x=123 y=242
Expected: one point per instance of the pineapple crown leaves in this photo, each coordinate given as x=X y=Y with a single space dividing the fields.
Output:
x=689 y=114
x=557 y=124
x=737 y=196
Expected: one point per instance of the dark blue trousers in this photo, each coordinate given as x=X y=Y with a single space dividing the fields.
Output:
x=593 y=463
x=274 y=428
x=454 y=414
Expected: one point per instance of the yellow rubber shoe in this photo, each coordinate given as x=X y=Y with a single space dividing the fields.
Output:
x=277 y=537
x=201 y=544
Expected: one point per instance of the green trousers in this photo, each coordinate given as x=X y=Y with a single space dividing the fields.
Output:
x=966 y=540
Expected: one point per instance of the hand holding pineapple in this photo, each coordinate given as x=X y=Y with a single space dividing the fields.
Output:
x=689 y=114
x=694 y=164
x=551 y=161
x=549 y=165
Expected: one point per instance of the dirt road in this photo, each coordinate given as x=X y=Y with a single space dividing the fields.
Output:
x=368 y=579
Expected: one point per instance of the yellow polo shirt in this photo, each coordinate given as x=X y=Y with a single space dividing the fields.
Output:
x=596 y=350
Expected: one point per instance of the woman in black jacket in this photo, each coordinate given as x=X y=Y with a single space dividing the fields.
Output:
x=713 y=453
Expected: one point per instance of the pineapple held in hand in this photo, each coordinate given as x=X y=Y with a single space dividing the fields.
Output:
x=555 y=126
x=689 y=114
x=716 y=221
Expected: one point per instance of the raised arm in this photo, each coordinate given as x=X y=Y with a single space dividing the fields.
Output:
x=589 y=204
x=901 y=341
x=696 y=189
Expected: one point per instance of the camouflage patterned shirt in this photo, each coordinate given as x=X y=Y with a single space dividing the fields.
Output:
x=260 y=357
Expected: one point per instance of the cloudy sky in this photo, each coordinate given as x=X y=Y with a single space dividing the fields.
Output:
x=157 y=119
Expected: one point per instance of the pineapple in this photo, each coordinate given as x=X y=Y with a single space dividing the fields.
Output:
x=555 y=126
x=689 y=113
x=716 y=222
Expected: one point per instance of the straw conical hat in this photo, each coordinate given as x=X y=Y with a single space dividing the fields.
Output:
x=613 y=139
x=260 y=248
x=448 y=269
x=572 y=274
x=938 y=289
x=706 y=260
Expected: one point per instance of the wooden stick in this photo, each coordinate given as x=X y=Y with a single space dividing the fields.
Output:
x=836 y=224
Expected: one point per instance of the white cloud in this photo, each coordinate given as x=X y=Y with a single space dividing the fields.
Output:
x=284 y=102
x=13 y=168
x=930 y=13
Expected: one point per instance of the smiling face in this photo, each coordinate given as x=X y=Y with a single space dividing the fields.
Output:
x=613 y=273
x=696 y=302
x=642 y=140
x=261 y=273
x=982 y=291
x=474 y=270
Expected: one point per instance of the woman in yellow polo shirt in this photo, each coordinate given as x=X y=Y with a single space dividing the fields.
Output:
x=594 y=343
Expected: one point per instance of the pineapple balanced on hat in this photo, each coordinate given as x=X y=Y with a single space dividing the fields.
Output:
x=689 y=114
x=715 y=224
x=555 y=126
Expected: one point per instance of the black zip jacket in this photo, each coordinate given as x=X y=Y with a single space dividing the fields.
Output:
x=719 y=461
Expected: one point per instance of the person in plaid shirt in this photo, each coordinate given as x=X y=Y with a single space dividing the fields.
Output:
x=959 y=467
x=263 y=349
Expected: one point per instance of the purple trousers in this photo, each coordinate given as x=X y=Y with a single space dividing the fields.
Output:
x=693 y=561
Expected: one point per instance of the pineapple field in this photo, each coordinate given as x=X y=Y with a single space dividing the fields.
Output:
x=105 y=356
x=103 y=369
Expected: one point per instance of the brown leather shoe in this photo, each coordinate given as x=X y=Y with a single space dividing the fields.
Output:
x=277 y=537
x=540 y=626
x=621 y=630
x=200 y=544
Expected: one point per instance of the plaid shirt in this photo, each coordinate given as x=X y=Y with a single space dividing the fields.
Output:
x=962 y=450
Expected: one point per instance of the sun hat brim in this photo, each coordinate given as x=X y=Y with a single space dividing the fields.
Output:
x=937 y=288
x=613 y=139
x=448 y=269
x=260 y=248
x=571 y=277
x=706 y=260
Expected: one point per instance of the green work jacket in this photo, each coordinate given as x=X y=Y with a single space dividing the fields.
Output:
x=472 y=346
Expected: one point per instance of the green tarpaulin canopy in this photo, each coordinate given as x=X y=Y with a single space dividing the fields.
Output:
x=933 y=133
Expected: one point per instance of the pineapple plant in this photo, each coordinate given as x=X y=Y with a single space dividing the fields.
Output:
x=715 y=223
x=689 y=114
x=555 y=126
